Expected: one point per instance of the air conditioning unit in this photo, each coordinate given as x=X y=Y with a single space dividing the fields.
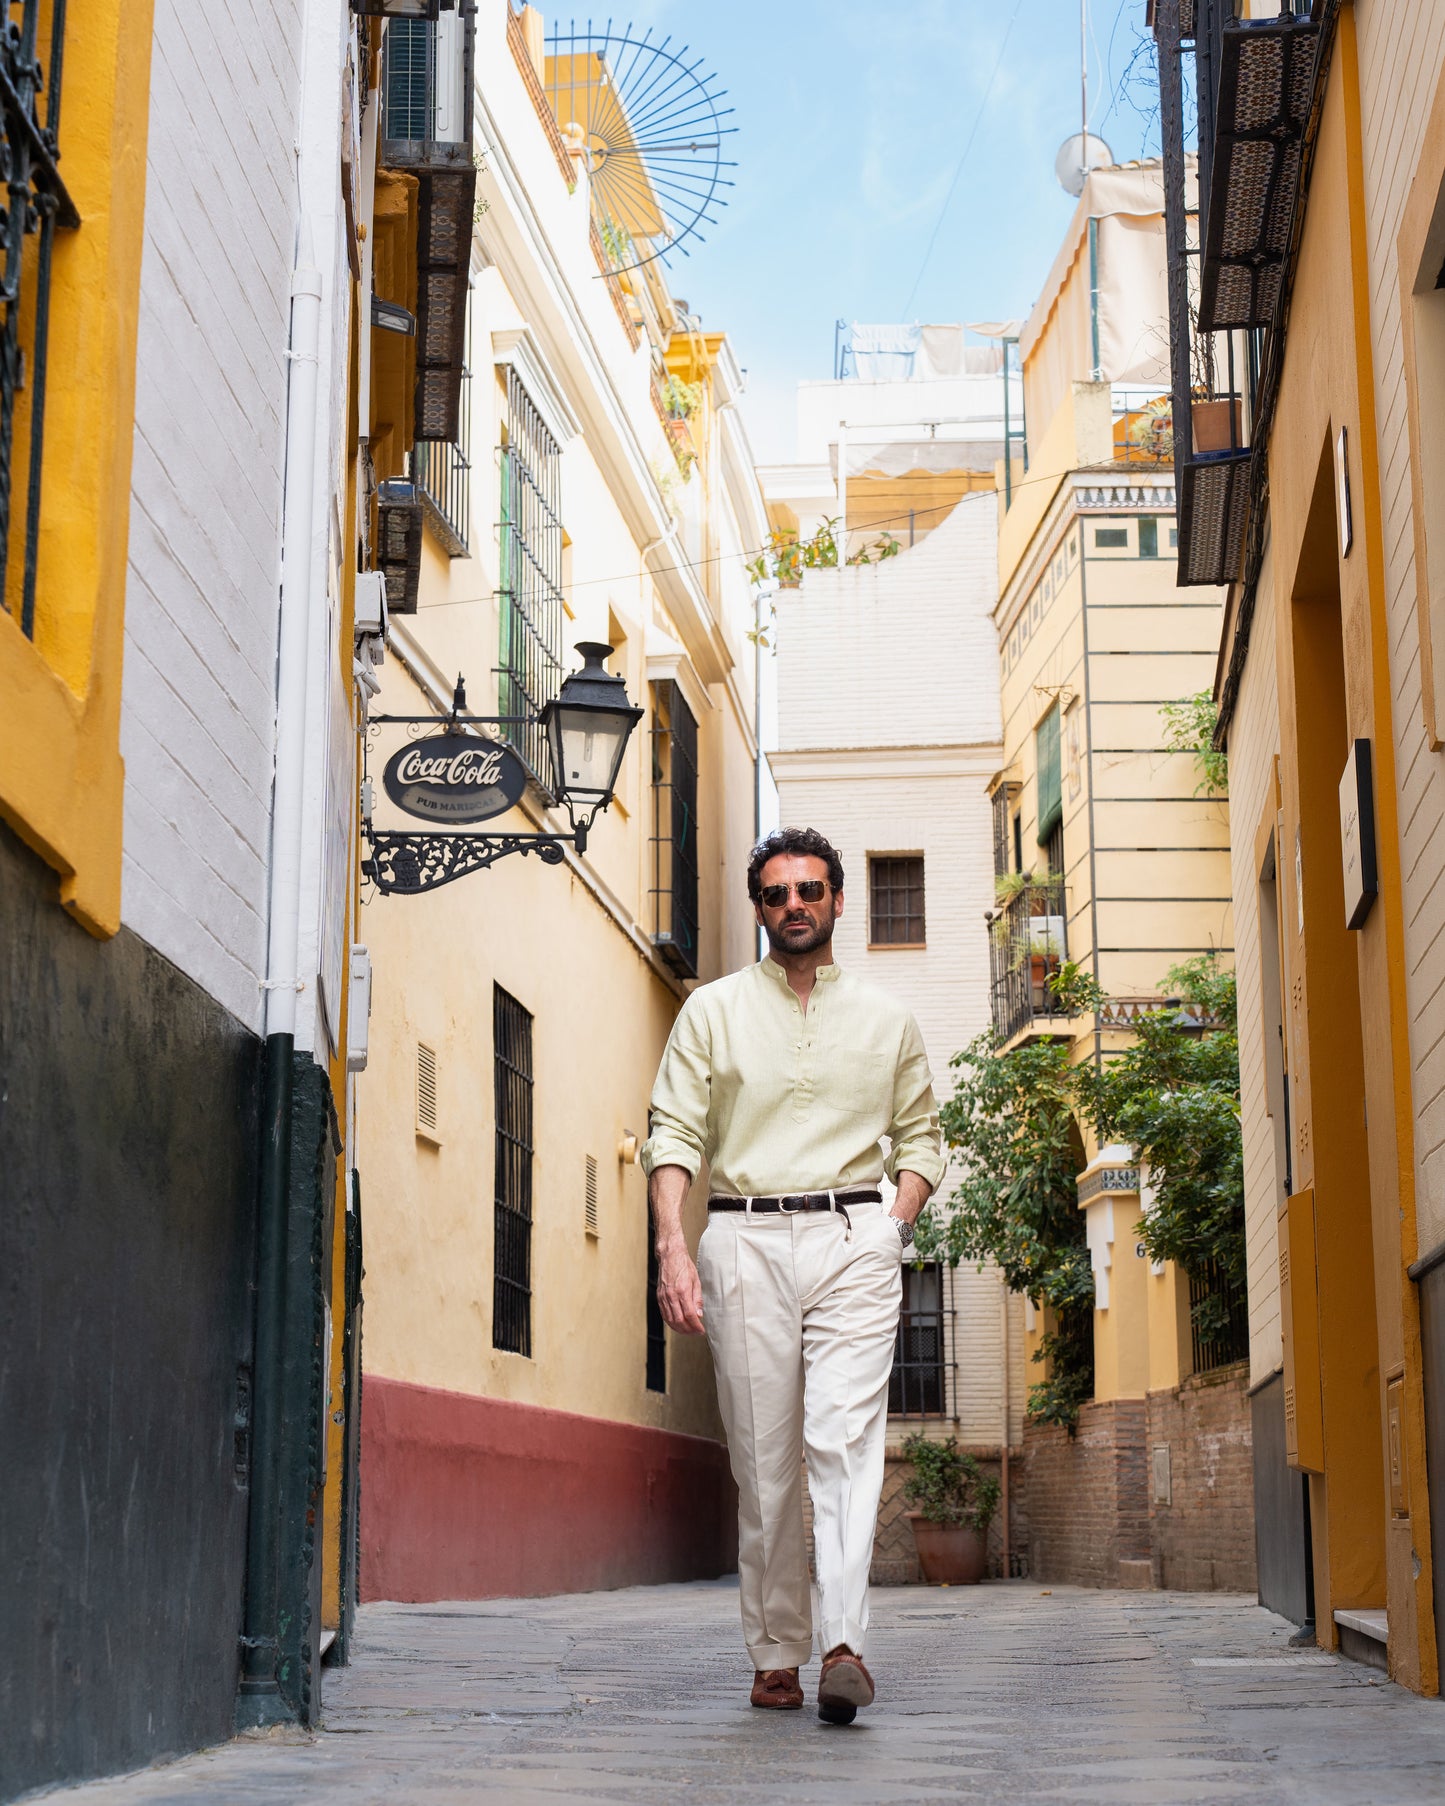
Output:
x=370 y=605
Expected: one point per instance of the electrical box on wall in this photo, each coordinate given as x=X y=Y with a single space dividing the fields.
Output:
x=358 y=1010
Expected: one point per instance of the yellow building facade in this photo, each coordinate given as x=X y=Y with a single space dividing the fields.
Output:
x=530 y=1425
x=1111 y=853
x=1324 y=681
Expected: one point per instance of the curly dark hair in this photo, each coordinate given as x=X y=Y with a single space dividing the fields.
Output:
x=807 y=841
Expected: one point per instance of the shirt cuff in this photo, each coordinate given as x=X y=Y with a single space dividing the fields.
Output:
x=667 y=1150
x=926 y=1161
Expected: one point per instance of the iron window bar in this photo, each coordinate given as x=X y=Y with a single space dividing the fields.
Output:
x=530 y=548
x=918 y=1384
x=512 y=1192
x=674 y=835
x=1229 y=1344
x=37 y=203
x=896 y=900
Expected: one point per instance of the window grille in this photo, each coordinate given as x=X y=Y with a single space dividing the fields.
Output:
x=1111 y=538
x=589 y=1198
x=37 y=202
x=1001 y=829
x=916 y=1387
x=895 y=900
x=674 y=834
x=531 y=572
x=512 y=1216
x=442 y=471
x=427 y=1116
x=1230 y=1343
x=656 y=1329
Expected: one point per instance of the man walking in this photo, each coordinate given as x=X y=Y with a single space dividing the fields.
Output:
x=784 y=1078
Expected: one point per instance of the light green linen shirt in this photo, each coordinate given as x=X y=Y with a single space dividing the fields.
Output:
x=780 y=1100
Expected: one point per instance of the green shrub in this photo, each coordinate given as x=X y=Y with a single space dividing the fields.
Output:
x=948 y=1486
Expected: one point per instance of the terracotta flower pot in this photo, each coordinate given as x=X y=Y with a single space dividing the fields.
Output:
x=1215 y=425
x=949 y=1555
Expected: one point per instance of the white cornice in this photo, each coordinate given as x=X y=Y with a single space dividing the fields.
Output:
x=849 y=765
x=518 y=347
x=676 y=667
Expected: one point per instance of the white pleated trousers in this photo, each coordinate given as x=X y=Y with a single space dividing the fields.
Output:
x=801 y=1314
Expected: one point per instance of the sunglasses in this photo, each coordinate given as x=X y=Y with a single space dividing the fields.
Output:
x=811 y=890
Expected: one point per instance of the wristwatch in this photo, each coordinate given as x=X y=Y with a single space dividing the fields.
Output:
x=905 y=1231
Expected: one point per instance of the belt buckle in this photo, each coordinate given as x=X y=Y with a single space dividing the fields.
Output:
x=783 y=1209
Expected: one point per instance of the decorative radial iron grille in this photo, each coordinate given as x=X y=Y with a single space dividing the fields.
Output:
x=651 y=128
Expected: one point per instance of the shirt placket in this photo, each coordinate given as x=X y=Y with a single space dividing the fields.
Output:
x=805 y=1051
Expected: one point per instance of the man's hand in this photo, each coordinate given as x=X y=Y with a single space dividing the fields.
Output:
x=913 y=1190
x=679 y=1292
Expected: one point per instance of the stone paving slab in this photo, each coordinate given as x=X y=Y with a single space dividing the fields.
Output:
x=1008 y=1691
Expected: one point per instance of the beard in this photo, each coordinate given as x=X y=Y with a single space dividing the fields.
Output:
x=782 y=942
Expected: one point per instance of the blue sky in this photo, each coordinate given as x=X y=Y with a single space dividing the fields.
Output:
x=852 y=121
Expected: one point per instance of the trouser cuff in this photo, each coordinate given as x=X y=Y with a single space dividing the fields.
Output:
x=780 y=1655
x=840 y=1630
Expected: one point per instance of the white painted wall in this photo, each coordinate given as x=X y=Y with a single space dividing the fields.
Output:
x=889 y=730
x=197 y=709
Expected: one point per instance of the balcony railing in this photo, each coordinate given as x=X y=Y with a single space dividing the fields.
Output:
x=1027 y=945
x=1255 y=82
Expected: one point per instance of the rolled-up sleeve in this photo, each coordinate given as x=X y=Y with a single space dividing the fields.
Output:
x=682 y=1096
x=917 y=1146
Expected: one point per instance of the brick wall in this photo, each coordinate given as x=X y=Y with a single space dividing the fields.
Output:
x=1088 y=1495
x=1204 y=1535
x=1092 y=1517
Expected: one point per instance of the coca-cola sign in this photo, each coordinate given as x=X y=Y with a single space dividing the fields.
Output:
x=455 y=778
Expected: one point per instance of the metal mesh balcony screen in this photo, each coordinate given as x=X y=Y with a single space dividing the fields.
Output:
x=442 y=471
x=512 y=1212
x=1051 y=788
x=37 y=203
x=895 y=901
x=674 y=832
x=531 y=572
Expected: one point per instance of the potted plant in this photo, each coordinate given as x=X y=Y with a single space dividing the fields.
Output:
x=955 y=1501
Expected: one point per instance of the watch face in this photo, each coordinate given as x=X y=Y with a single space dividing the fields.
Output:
x=905 y=1232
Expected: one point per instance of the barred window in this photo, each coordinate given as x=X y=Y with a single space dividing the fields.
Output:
x=1001 y=849
x=37 y=204
x=656 y=1329
x=895 y=900
x=916 y=1386
x=512 y=1215
x=674 y=833
x=531 y=572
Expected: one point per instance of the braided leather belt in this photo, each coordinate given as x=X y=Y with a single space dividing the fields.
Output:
x=791 y=1203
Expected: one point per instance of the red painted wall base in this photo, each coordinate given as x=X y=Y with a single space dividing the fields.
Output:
x=478 y=1498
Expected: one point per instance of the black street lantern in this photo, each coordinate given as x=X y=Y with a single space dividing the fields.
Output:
x=588 y=724
x=455 y=775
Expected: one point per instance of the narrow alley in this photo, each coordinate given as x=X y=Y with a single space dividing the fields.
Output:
x=1001 y=1692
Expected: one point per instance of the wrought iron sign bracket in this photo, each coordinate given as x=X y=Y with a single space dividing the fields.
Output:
x=406 y=865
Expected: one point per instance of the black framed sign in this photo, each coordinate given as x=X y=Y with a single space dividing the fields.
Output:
x=450 y=778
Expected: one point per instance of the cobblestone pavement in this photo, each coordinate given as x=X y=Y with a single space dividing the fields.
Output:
x=1000 y=1692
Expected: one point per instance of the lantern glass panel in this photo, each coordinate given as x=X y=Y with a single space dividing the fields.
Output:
x=591 y=743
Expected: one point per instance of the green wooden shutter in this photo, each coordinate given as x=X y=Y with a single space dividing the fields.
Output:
x=1051 y=786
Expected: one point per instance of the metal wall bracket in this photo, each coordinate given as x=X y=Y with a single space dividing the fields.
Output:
x=408 y=864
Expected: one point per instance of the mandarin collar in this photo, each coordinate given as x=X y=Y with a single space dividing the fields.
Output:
x=824 y=975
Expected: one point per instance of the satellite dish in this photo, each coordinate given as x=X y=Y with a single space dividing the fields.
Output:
x=1079 y=154
x=647 y=122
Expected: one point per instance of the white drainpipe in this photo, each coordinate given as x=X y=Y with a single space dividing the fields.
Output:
x=283 y=982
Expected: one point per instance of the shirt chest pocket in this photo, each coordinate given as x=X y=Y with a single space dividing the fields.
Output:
x=857 y=1082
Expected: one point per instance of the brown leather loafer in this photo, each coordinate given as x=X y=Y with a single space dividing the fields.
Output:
x=843 y=1686
x=777 y=1688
